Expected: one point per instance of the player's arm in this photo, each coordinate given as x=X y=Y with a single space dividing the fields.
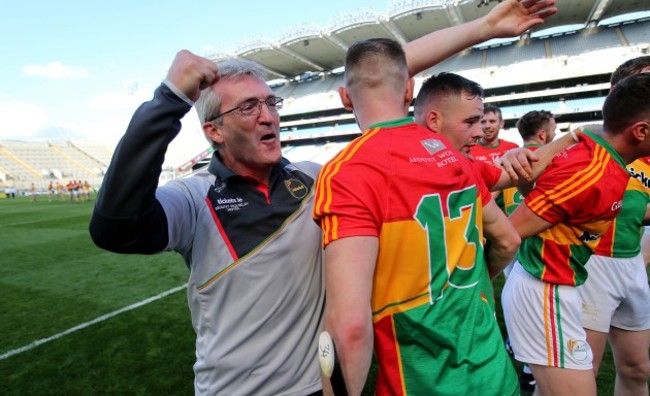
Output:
x=522 y=166
x=127 y=217
x=510 y=18
x=526 y=222
x=502 y=239
x=349 y=270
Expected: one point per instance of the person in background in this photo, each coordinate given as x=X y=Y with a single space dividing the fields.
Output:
x=50 y=192
x=32 y=192
x=490 y=147
x=537 y=129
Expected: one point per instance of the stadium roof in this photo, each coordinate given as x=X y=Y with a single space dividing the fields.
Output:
x=309 y=48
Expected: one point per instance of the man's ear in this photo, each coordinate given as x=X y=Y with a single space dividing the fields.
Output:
x=433 y=120
x=408 y=95
x=345 y=99
x=641 y=130
x=541 y=135
x=212 y=131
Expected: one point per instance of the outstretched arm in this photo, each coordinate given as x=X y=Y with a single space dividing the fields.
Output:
x=522 y=166
x=510 y=18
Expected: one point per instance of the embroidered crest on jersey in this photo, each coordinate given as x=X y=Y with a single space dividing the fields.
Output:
x=296 y=188
x=432 y=145
x=589 y=236
x=219 y=186
x=578 y=349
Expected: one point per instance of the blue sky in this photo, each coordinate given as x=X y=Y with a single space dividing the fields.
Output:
x=78 y=69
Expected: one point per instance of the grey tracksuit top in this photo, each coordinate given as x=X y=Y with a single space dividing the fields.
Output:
x=255 y=289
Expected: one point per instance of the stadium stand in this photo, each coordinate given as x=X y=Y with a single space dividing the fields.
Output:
x=99 y=152
x=566 y=73
x=515 y=53
x=637 y=33
x=564 y=67
x=25 y=162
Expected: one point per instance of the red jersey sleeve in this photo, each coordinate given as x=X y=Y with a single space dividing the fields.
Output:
x=575 y=185
x=477 y=175
x=489 y=173
x=350 y=194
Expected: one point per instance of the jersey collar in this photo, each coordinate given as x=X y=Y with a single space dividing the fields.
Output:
x=600 y=141
x=222 y=172
x=392 y=123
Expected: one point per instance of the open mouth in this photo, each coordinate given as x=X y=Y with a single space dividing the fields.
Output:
x=268 y=136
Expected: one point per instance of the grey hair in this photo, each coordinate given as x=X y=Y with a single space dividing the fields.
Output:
x=209 y=103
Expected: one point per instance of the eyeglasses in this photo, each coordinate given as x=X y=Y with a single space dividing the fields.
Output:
x=254 y=107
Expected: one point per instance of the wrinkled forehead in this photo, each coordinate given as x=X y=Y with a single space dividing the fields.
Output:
x=237 y=89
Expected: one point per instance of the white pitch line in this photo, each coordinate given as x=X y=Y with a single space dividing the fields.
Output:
x=92 y=322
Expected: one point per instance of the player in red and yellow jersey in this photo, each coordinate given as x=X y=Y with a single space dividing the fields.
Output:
x=561 y=221
x=403 y=216
x=616 y=295
x=566 y=191
x=452 y=106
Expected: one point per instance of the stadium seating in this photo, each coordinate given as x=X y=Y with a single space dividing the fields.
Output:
x=25 y=162
x=566 y=73
x=576 y=64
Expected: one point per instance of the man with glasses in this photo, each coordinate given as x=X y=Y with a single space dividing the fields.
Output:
x=243 y=226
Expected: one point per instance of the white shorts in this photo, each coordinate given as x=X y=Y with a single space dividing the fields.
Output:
x=616 y=294
x=544 y=322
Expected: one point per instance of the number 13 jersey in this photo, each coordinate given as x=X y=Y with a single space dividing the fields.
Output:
x=434 y=327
